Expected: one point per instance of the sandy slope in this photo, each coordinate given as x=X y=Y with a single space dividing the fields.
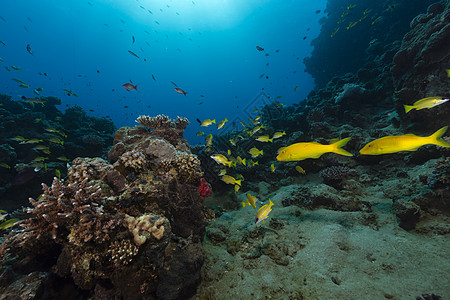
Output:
x=322 y=254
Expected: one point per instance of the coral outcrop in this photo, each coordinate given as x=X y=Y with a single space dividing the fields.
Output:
x=130 y=228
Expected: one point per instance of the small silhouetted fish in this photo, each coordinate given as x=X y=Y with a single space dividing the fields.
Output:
x=29 y=49
x=308 y=29
x=132 y=53
x=174 y=83
x=200 y=103
x=106 y=25
x=150 y=11
x=304 y=38
x=193 y=2
x=261 y=76
x=198 y=120
x=26 y=29
x=45 y=74
x=267 y=64
x=132 y=37
x=156 y=22
x=153 y=77
x=29 y=19
x=90 y=4
x=177 y=13
x=98 y=71
x=267 y=77
x=125 y=106
x=203 y=96
x=91 y=110
x=3 y=18
x=142 y=7
x=122 y=21
x=318 y=11
x=278 y=50
x=267 y=54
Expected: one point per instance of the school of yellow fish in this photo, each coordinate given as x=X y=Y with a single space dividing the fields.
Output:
x=309 y=150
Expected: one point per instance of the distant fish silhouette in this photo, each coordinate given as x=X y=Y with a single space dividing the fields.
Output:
x=29 y=49
x=132 y=53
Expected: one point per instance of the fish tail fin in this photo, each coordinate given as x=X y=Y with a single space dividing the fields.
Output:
x=436 y=137
x=270 y=202
x=408 y=108
x=261 y=152
x=213 y=121
x=135 y=87
x=243 y=162
x=337 y=147
x=271 y=140
x=244 y=204
x=238 y=182
x=229 y=163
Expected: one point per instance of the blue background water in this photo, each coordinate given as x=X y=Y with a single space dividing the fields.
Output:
x=207 y=47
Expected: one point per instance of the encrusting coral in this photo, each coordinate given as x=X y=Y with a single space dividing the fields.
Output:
x=145 y=226
x=133 y=159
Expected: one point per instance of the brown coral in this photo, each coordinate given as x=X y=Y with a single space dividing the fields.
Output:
x=164 y=127
x=123 y=252
x=145 y=227
x=133 y=159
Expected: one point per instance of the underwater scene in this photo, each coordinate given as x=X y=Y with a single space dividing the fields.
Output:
x=224 y=149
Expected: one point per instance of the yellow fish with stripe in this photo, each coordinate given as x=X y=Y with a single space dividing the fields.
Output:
x=408 y=142
x=251 y=200
x=230 y=180
x=207 y=122
x=301 y=151
x=221 y=159
x=428 y=102
x=263 y=212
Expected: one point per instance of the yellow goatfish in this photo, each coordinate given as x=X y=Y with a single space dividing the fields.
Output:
x=263 y=212
x=301 y=151
x=408 y=142
x=428 y=102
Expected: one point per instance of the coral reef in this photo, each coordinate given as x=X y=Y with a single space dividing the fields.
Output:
x=164 y=127
x=131 y=228
x=36 y=143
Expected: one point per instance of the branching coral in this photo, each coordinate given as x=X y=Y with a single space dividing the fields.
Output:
x=133 y=159
x=123 y=252
x=145 y=227
x=73 y=208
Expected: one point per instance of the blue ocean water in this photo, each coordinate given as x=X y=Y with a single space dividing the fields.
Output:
x=206 y=47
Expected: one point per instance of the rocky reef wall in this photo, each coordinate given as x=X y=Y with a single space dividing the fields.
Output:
x=352 y=30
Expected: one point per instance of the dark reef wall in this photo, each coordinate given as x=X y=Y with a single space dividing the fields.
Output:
x=37 y=141
x=421 y=64
x=352 y=27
